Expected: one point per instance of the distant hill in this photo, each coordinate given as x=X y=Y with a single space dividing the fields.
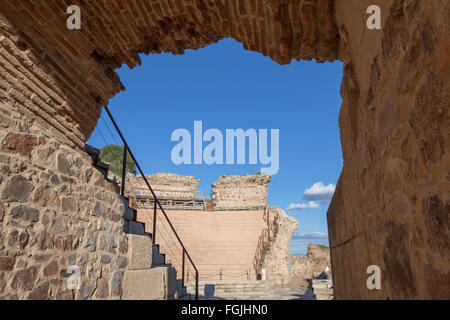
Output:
x=113 y=154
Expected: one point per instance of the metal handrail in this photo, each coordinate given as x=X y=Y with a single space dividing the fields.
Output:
x=126 y=150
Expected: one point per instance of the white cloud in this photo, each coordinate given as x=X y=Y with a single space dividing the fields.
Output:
x=303 y=206
x=319 y=192
x=310 y=235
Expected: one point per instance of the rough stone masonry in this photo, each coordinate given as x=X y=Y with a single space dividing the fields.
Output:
x=391 y=203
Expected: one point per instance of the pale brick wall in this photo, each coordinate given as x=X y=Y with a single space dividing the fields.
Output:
x=165 y=186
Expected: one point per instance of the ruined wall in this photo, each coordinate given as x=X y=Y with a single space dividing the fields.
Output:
x=390 y=207
x=165 y=186
x=248 y=191
x=56 y=210
x=277 y=260
x=303 y=267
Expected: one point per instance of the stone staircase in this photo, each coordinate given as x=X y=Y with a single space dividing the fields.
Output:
x=230 y=288
x=149 y=276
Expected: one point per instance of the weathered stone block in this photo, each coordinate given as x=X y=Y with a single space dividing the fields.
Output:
x=59 y=225
x=26 y=213
x=139 y=252
x=17 y=189
x=45 y=196
x=90 y=241
x=19 y=143
x=68 y=204
x=105 y=259
x=150 y=284
x=108 y=243
x=64 y=243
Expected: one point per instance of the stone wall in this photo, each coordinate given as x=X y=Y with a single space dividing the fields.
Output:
x=277 y=260
x=249 y=191
x=391 y=202
x=56 y=210
x=315 y=262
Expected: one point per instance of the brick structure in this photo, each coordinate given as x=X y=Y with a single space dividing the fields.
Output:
x=237 y=192
x=165 y=186
x=391 y=203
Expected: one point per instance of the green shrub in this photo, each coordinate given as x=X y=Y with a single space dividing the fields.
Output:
x=113 y=154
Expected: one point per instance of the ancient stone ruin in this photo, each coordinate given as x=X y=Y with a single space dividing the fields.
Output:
x=225 y=232
x=232 y=235
x=391 y=203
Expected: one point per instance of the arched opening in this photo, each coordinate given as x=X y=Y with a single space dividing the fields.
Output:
x=227 y=87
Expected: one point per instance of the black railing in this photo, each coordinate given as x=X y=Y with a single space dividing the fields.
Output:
x=156 y=205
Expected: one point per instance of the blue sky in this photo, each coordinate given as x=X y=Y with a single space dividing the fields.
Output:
x=227 y=87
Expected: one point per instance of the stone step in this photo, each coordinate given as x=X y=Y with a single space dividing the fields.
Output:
x=238 y=294
x=182 y=291
x=139 y=251
x=134 y=227
x=218 y=287
x=129 y=214
x=230 y=287
x=323 y=294
x=158 y=259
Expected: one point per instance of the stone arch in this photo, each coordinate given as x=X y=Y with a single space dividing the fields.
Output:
x=62 y=78
x=82 y=62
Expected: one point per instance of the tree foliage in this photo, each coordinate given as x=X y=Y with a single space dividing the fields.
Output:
x=113 y=154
